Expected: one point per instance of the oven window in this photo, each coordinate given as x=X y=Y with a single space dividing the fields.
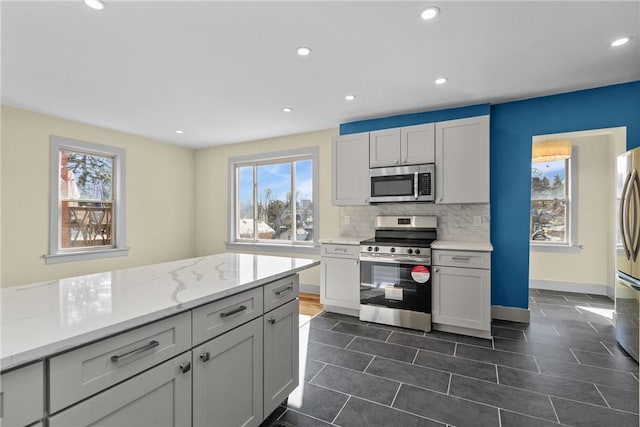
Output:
x=396 y=185
x=395 y=286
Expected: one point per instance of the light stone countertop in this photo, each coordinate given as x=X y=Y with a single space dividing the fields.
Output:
x=342 y=240
x=45 y=318
x=462 y=245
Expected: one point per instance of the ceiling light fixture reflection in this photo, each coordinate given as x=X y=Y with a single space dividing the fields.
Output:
x=441 y=80
x=179 y=132
x=287 y=109
x=350 y=97
x=95 y=4
x=620 y=41
x=303 y=51
x=429 y=13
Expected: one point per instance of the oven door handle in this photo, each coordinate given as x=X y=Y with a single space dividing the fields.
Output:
x=396 y=259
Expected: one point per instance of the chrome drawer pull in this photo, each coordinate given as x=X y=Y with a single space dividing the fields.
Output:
x=185 y=367
x=234 y=311
x=272 y=320
x=285 y=291
x=152 y=344
x=461 y=258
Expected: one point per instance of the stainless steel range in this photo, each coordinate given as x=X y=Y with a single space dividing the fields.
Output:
x=395 y=272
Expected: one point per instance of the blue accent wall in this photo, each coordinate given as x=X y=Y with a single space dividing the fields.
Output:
x=513 y=126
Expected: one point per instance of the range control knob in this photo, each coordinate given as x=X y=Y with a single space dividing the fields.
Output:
x=376 y=249
x=369 y=248
x=409 y=251
x=417 y=251
x=392 y=250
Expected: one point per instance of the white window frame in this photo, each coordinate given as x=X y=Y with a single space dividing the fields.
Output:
x=571 y=245
x=310 y=247
x=118 y=248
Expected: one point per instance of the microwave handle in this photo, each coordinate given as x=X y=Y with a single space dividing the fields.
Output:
x=415 y=185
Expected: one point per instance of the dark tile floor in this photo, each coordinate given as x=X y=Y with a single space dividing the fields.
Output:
x=564 y=368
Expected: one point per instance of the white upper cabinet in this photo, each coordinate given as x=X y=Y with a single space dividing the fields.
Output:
x=408 y=145
x=350 y=172
x=462 y=160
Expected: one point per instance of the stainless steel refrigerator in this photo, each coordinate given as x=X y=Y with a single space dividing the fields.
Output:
x=627 y=292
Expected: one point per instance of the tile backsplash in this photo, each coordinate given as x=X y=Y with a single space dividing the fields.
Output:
x=455 y=222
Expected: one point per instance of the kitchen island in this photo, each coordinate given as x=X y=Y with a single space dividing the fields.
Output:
x=103 y=335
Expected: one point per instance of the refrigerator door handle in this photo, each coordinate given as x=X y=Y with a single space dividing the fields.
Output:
x=629 y=281
x=623 y=214
x=632 y=215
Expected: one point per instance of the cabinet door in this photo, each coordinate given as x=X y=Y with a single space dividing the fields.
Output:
x=462 y=297
x=281 y=351
x=350 y=170
x=227 y=378
x=340 y=282
x=158 y=397
x=22 y=395
x=417 y=144
x=462 y=161
x=384 y=148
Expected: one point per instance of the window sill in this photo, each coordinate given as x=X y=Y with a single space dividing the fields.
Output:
x=555 y=248
x=85 y=255
x=273 y=248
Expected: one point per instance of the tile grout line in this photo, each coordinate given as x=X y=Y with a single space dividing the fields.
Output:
x=369 y=364
x=395 y=395
x=499 y=417
x=415 y=356
x=602 y=395
x=449 y=385
x=317 y=373
x=497 y=375
x=574 y=355
x=554 y=409
x=455 y=350
x=343 y=405
x=537 y=366
x=606 y=348
x=593 y=327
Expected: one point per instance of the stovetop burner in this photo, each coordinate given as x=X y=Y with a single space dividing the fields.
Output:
x=398 y=235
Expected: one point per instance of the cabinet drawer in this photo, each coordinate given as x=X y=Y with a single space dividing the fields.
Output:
x=87 y=370
x=22 y=395
x=340 y=251
x=461 y=259
x=218 y=317
x=281 y=291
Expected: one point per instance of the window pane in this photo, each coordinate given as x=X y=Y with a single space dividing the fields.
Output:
x=548 y=180
x=274 y=202
x=85 y=224
x=244 y=228
x=549 y=220
x=85 y=176
x=304 y=200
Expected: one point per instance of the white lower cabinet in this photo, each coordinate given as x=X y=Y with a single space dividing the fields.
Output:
x=22 y=395
x=158 y=397
x=462 y=295
x=340 y=276
x=281 y=335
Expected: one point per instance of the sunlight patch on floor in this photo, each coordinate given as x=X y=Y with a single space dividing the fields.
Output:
x=295 y=398
x=604 y=312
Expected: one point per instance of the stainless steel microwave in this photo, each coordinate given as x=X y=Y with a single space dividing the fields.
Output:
x=403 y=184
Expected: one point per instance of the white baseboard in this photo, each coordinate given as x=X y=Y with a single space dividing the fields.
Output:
x=513 y=314
x=342 y=310
x=584 y=288
x=309 y=289
x=461 y=331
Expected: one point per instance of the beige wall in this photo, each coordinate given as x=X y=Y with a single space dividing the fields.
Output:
x=159 y=198
x=593 y=266
x=212 y=171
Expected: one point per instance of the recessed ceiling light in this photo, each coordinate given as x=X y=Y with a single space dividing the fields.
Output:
x=287 y=109
x=350 y=97
x=441 y=81
x=429 y=13
x=94 y=4
x=620 y=42
x=179 y=132
x=303 y=51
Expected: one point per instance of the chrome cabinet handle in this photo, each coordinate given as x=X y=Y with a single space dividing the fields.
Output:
x=185 y=367
x=272 y=320
x=234 y=311
x=461 y=258
x=340 y=250
x=285 y=291
x=356 y=262
x=205 y=356
x=152 y=344
x=415 y=185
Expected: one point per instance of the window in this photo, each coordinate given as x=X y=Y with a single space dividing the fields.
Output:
x=274 y=199
x=87 y=201
x=550 y=201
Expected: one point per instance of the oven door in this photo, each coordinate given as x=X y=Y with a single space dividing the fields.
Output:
x=397 y=282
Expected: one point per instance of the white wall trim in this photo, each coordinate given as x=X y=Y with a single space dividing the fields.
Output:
x=579 y=287
x=513 y=314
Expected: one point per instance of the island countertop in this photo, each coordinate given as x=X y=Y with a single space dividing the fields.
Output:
x=45 y=318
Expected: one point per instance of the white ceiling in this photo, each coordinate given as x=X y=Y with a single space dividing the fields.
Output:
x=223 y=71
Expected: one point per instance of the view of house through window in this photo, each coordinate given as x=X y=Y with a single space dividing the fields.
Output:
x=550 y=201
x=86 y=199
x=274 y=200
